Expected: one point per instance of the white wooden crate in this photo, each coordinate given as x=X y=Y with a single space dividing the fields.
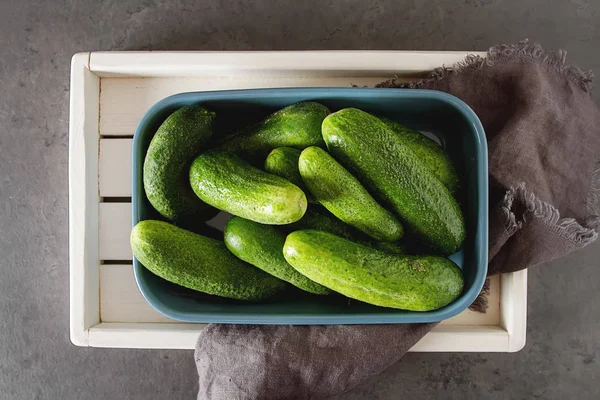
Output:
x=110 y=91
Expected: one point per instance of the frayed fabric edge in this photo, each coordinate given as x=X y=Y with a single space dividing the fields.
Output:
x=567 y=228
x=553 y=61
x=511 y=225
x=593 y=200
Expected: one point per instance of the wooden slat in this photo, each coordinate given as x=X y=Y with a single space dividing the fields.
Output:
x=256 y=64
x=145 y=336
x=125 y=100
x=184 y=336
x=114 y=169
x=464 y=339
x=114 y=227
x=120 y=298
x=513 y=300
x=83 y=199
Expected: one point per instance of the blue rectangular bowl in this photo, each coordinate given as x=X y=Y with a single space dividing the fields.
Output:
x=448 y=118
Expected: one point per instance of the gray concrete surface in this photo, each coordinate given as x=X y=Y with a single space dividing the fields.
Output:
x=37 y=39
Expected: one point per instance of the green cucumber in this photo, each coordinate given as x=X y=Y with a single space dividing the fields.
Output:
x=416 y=283
x=262 y=246
x=298 y=126
x=431 y=153
x=230 y=184
x=394 y=173
x=343 y=195
x=322 y=220
x=283 y=162
x=199 y=263
x=389 y=247
x=176 y=143
x=319 y=219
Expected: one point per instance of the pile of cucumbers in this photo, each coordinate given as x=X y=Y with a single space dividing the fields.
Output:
x=320 y=201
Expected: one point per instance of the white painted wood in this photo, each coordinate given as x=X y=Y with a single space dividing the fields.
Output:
x=513 y=303
x=114 y=227
x=83 y=199
x=464 y=339
x=184 y=336
x=125 y=100
x=113 y=106
x=121 y=301
x=271 y=63
x=114 y=172
x=145 y=336
x=120 y=298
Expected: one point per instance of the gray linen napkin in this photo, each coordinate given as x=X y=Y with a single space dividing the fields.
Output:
x=543 y=132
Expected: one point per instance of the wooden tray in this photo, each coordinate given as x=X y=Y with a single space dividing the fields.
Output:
x=110 y=91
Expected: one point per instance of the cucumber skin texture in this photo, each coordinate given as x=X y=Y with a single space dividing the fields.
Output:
x=283 y=162
x=199 y=263
x=176 y=143
x=343 y=195
x=393 y=248
x=297 y=126
x=262 y=246
x=416 y=283
x=396 y=176
x=431 y=153
x=230 y=184
x=322 y=220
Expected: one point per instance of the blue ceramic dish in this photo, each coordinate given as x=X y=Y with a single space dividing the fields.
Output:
x=448 y=118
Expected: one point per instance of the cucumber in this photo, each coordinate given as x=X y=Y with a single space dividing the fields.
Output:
x=431 y=153
x=283 y=162
x=343 y=195
x=416 y=283
x=199 y=263
x=400 y=179
x=393 y=248
x=320 y=219
x=298 y=126
x=230 y=184
x=262 y=246
x=176 y=143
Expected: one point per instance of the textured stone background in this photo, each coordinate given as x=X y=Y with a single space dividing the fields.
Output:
x=37 y=39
